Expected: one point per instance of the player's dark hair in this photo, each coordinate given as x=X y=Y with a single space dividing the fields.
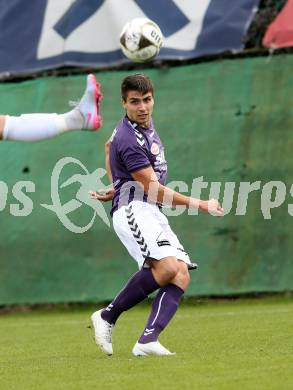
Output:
x=136 y=82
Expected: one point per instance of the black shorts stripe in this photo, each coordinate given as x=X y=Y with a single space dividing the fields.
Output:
x=136 y=232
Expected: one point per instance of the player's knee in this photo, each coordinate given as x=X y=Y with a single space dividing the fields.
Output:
x=169 y=273
x=168 y=270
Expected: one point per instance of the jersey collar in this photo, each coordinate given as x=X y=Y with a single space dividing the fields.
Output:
x=136 y=126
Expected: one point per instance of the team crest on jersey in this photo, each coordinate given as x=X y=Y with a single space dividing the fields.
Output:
x=155 y=148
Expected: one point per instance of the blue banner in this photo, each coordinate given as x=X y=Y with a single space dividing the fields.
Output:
x=44 y=34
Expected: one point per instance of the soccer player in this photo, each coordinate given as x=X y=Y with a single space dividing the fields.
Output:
x=35 y=127
x=137 y=156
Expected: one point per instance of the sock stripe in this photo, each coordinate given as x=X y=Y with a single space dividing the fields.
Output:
x=159 y=308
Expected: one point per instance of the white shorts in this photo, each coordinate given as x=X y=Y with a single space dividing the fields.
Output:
x=145 y=232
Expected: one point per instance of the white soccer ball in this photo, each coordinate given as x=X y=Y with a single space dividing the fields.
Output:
x=141 y=39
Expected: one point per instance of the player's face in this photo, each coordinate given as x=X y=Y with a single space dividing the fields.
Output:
x=139 y=107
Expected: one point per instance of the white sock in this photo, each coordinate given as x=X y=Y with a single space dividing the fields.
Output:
x=35 y=127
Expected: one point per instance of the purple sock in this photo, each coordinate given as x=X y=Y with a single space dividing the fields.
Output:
x=163 y=309
x=139 y=286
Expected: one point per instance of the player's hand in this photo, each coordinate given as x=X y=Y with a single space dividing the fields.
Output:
x=103 y=195
x=212 y=206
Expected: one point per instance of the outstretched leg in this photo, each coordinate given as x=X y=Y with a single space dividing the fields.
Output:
x=35 y=127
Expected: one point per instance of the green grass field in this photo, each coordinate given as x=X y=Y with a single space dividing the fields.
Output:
x=242 y=344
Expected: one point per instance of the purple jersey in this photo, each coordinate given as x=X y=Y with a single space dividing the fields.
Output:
x=134 y=148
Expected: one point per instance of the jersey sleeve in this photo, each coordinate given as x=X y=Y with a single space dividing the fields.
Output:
x=134 y=157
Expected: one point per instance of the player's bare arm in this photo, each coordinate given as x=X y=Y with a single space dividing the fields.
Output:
x=159 y=193
x=107 y=160
x=105 y=195
x=2 y=124
x=162 y=194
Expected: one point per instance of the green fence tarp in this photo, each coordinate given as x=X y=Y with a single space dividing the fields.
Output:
x=228 y=121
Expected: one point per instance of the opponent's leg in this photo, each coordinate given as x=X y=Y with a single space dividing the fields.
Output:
x=164 y=307
x=35 y=127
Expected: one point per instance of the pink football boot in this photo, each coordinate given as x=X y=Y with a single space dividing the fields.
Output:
x=89 y=105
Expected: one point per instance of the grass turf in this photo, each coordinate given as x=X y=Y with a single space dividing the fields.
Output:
x=242 y=344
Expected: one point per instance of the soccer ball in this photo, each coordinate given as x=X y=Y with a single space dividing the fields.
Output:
x=141 y=39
